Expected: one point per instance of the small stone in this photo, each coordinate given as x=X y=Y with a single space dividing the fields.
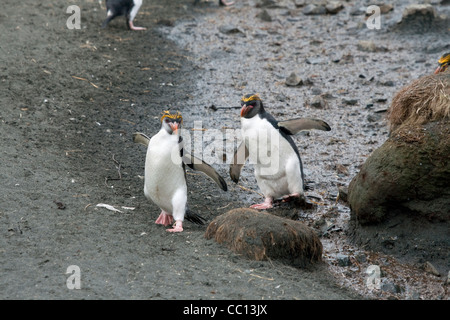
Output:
x=385 y=8
x=361 y=257
x=312 y=9
x=264 y=16
x=381 y=99
x=390 y=287
x=271 y=4
x=343 y=260
x=350 y=102
x=370 y=46
x=374 y=117
x=388 y=83
x=428 y=267
x=343 y=193
x=314 y=61
x=316 y=91
x=294 y=80
x=299 y=3
x=230 y=29
x=358 y=11
x=318 y=102
x=334 y=7
x=341 y=169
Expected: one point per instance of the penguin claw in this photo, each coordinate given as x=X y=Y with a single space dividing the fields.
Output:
x=261 y=206
x=134 y=28
x=267 y=204
x=178 y=227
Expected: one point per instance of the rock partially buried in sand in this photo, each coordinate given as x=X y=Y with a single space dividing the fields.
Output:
x=419 y=18
x=293 y=80
x=261 y=236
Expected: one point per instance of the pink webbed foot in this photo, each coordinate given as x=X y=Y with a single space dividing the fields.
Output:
x=164 y=219
x=267 y=204
x=177 y=227
x=133 y=27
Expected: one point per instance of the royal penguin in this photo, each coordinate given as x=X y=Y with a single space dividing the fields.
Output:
x=127 y=8
x=269 y=146
x=165 y=174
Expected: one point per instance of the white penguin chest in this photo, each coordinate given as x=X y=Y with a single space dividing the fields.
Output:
x=268 y=150
x=164 y=173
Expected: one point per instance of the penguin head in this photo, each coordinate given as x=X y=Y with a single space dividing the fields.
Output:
x=171 y=122
x=251 y=105
x=444 y=61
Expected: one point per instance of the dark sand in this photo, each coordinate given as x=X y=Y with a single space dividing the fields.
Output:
x=70 y=102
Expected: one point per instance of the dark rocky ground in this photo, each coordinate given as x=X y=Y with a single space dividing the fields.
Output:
x=71 y=100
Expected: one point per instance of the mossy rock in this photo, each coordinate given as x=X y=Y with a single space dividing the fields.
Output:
x=261 y=236
x=409 y=172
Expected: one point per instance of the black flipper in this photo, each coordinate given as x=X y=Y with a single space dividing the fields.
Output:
x=199 y=165
x=239 y=158
x=293 y=126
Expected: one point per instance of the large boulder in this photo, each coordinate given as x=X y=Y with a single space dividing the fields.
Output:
x=400 y=199
x=261 y=236
x=410 y=171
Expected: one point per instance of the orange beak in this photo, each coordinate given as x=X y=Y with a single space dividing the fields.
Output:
x=174 y=126
x=438 y=70
x=244 y=110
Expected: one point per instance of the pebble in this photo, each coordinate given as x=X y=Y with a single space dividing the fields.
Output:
x=343 y=193
x=230 y=29
x=358 y=11
x=350 y=102
x=264 y=16
x=385 y=8
x=271 y=4
x=390 y=287
x=314 y=61
x=299 y=3
x=316 y=91
x=370 y=46
x=343 y=260
x=374 y=117
x=312 y=9
x=334 y=7
x=293 y=80
x=388 y=83
x=428 y=267
x=318 y=102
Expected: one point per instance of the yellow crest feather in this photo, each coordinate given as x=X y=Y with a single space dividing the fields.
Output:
x=444 y=59
x=254 y=97
x=175 y=116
